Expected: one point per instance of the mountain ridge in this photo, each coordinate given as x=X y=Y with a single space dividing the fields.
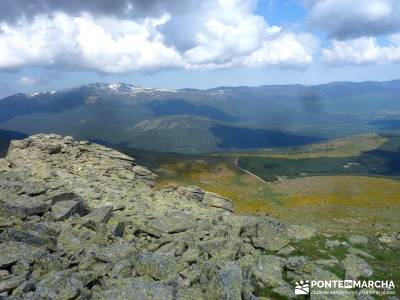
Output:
x=113 y=85
x=113 y=112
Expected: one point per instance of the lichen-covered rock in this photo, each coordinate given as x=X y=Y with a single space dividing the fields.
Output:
x=62 y=210
x=301 y=232
x=271 y=235
x=63 y=285
x=26 y=205
x=11 y=252
x=356 y=267
x=97 y=216
x=268 y=271
x=356 y=239
x=28 y=237
x=137 y=288
x=174 y=222
x=156 y=265
x=215 y=200
x=11 y=283
x=226 y=284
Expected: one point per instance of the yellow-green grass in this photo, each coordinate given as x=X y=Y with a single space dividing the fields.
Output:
x=348 y=203
x=331 y=203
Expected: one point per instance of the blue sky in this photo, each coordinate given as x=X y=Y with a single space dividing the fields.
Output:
x=49 y=45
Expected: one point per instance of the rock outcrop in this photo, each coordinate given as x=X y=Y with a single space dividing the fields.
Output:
x=81 y=221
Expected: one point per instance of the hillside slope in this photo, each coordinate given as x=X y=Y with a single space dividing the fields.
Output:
x=88 y=218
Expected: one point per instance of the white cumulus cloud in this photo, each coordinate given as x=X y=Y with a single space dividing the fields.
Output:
x=348 y=19
x=364 y=50
x=220 y=34
x=232 y=36
x=103 y=44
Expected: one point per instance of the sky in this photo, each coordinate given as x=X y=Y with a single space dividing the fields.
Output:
x=57 y=44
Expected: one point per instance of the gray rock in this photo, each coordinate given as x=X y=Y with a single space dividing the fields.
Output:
x=287 y=250
x=356 y=267
x=97 y=216
x=113 y=253
x=296 y=263
x=137 y=288
x=61 y=285
x=29 y=237
x=189 y=294
x=226 y=284
x=301 y=232
x=335 y=244
x=69 y=241
x=122 y=269
x=62 y=210
x=192 y=192
x=26 y=206
x=11 y=283
x=271 y=236
x=360 y=252
x=11 y=252
x=118 y=229
x=4 y=274
x=215 y=200
x=5 y=165
x=268 y=271
x=356 y=239
x=156 y=265
x=285 y=290
x=221 y=247
x=174 y=222
x=327 y=262
x=392 y=240
x=66 y=197
x=34 y=189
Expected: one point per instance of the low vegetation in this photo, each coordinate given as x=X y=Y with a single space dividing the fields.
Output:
x=336 y=202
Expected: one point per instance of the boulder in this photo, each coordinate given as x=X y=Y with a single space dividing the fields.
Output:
x=287 y=250
x=192 y=192
x=221 y=247
x=62 y=210
x=66 y=197
x=174 y=222
x=356 y=239
x=137 y=288
x=28 y=237
x=96 y=217
x=189 y=294
x=268 y=271
x=11 y=252
x=356 y=267
x=359 y=252
x=301 y=232
x=5 y=165
x=271 y=236
x=63 y=285
x=11 y=283
x=26 y=206
x=299 y=264
x=226 y=284
x=156 y=265
x=215 y=200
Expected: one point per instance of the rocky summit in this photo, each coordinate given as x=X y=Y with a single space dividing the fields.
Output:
x=82 y=221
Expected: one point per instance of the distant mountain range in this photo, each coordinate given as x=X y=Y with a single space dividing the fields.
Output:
x=200 y=121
